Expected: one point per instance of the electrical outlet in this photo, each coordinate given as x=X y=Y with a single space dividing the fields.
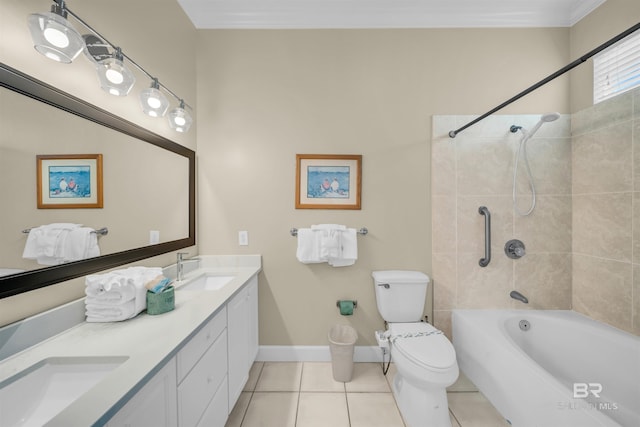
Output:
x=154 y=237
x=243 y=238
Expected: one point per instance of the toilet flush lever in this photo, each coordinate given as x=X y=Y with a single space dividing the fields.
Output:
x=384 y=285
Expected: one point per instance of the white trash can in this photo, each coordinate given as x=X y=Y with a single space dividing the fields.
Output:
x=342 y=339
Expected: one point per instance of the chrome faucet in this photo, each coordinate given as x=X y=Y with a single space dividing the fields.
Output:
x=517 y=295
x=180 y=266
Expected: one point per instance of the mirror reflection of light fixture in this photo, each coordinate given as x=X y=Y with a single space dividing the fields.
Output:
x=179 y=118
x=114 y=77
x=153 y=102
x=53 y=36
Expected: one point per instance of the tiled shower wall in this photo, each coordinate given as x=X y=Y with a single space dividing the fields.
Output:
x=583 y=238
x=606 y=211
x=476 y=169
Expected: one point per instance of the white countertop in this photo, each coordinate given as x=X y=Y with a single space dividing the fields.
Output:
x=148 y=342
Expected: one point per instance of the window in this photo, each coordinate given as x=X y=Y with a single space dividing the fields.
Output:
x=617 y=68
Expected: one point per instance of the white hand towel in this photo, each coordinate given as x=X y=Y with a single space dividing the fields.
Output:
x=110 y=313
x=110 y=289
x=349 y=249
x=31 y=245
x=80 y=244
x=128 y=284
x=308 y=251
x=46 y=243
x=330 y=243
x=328 y=227
x=138 y=277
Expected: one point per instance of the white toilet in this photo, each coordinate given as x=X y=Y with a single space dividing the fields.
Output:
x=424 y=358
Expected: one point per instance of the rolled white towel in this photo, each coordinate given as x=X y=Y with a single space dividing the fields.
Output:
x=109 y=312
x=116 y=295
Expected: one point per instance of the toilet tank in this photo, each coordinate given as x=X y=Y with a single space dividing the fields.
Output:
x=400 y=294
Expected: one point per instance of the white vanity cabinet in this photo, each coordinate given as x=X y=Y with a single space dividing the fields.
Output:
x=155 y=403
x=201 y=384
x=242 y=327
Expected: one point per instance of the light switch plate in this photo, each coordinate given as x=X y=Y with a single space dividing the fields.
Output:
x=243 y=238
x=154 y=237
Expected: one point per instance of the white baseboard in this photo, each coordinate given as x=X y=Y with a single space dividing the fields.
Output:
x=313 y=353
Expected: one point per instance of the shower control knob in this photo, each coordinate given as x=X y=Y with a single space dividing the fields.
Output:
x=514 y=249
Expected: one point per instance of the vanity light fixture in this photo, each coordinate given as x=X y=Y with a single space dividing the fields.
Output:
x=179 y=118
x=153 y=102
x=114 y=77
x=54 y=37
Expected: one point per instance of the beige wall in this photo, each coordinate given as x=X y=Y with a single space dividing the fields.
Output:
x=157 y=35
x=266 y=95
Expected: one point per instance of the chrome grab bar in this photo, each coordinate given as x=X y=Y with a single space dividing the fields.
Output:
x=482 y=210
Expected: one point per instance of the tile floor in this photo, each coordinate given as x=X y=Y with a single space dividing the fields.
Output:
x=304 y=394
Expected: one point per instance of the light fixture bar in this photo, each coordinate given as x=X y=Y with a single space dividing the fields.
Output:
x=135 y=64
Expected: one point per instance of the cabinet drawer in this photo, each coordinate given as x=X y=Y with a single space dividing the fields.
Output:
x=199 y=386
x=216 y=413
x=189 y=355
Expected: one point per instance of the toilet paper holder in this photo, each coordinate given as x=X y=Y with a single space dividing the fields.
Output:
x=355 y=303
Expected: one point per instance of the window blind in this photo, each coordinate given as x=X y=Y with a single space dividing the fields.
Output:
x=617 y=69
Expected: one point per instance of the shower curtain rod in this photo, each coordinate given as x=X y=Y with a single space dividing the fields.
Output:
x=453 y=133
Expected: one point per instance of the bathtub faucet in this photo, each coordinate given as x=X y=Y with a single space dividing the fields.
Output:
x=517 y=295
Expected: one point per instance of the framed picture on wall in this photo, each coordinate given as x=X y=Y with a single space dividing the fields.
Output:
x=69 y=181
x=328 y=181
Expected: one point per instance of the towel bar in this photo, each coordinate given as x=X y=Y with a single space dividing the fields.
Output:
x=363 y=231
x=100 y=232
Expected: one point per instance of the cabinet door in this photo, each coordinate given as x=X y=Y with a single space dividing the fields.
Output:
x=237 y=333
x=154 y=405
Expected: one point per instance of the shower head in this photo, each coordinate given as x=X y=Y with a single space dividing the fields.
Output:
x=545 y=118
x=550 y=117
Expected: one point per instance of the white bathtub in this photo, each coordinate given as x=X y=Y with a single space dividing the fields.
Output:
x=540 y=377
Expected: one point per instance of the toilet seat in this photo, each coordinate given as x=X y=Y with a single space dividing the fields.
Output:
x=423 y=345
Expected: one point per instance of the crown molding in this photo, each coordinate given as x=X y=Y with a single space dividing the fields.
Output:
x=301 y=14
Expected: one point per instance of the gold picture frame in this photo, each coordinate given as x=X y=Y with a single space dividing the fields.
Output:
x=69 y=181
x=328 y=181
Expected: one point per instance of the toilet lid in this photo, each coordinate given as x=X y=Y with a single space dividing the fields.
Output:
x=423 y=345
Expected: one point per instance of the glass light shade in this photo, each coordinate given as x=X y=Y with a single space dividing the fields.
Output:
x=179 y=119
x=153 y=102
x=114 y=77
x=54 y=37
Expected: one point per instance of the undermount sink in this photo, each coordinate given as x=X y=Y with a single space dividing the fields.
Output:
x=35 y=395
x=207 y=283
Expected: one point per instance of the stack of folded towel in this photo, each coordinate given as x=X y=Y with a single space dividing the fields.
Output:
x=54 y=244
x=334 y=244
x=118 y=295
